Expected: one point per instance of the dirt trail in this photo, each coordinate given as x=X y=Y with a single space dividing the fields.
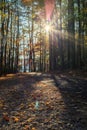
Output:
x=39 y=101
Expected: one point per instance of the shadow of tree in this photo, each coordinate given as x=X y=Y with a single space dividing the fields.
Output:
x=74 y=94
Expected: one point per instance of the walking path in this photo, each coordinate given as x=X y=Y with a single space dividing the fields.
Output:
x=37 y=101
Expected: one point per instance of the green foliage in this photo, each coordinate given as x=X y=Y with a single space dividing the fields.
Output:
x=2 y=4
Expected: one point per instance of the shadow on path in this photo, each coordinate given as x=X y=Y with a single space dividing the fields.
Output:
x=62 y=102
x=74 y=94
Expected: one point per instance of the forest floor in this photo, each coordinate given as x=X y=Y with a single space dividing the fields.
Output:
x=38 y=101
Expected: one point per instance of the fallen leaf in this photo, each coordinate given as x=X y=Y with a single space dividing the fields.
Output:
x=30 y=120
x=26 y=127
x=6 y=117
x=16 y=119
x=47 y=103
x=33 y=128
x=1 y=104
x=31 y=105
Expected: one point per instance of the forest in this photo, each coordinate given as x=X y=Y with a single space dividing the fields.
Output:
x=43 y=64
x=35 y=37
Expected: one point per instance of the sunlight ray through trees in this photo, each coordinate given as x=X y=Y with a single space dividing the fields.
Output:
x=26 y=46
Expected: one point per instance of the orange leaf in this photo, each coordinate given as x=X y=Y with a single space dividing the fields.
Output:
x=33 y=128
x=47 y=103
x=16 y=119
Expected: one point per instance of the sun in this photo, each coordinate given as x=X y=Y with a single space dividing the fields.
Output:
x=47 y=28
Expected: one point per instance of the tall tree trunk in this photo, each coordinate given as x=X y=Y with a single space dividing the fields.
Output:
x=79 y=38
x=60 y=39
x=71 y=35
x=17 y=42
x=2 y=40
x=7 y=26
